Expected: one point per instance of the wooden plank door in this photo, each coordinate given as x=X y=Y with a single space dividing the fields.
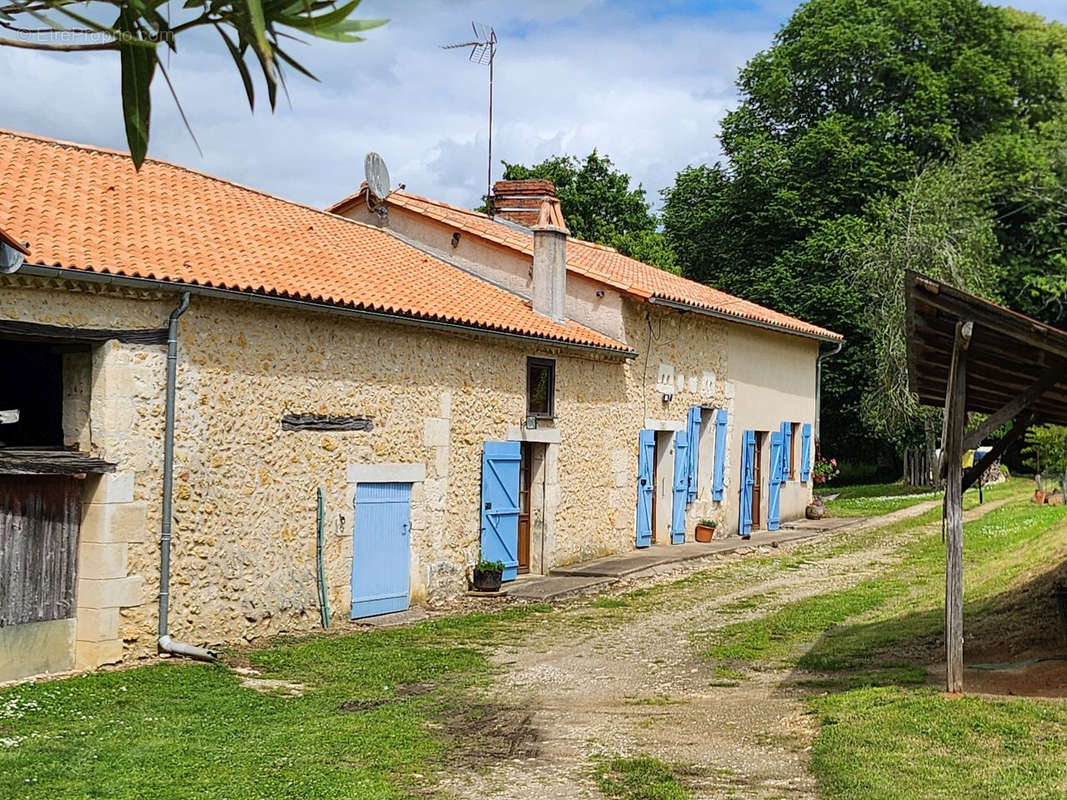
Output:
x=525 y=485
x=381 y=552
x=500 y=504
x=40 y=518
x=646 y=480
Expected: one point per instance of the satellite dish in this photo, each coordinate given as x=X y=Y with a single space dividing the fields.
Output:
x=377 y=175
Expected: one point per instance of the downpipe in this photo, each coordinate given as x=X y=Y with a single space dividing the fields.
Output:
x=165 y=643
x=818 y=388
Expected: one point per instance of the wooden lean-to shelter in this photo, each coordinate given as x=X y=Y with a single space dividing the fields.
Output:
x=973 y=355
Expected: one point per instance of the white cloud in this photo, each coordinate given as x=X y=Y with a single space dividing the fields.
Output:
x=571 y=75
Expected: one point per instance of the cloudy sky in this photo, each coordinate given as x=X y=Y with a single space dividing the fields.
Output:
x=645 y=82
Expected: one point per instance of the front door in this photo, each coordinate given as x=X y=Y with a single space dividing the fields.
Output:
x=381 y=570
x=500 y=505
x=525 y=484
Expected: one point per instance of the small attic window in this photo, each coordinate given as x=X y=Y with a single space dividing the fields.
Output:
x=541 y=388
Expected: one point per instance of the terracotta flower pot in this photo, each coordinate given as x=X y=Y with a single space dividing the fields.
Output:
x=705 y=533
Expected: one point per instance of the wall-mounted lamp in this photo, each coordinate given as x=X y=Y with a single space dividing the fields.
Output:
x=531 y=423
x=599 y=292
x=455 y=239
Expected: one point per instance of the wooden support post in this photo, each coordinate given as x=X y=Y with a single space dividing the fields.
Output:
x=952 y=455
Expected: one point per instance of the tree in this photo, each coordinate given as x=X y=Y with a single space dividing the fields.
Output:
x=249 y=29
x=599 y=205
x=941 y=222
x=853 y=100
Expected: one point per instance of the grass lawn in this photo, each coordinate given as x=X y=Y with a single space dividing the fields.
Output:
x=884 y=733
x=871 y=499
x=185 y=730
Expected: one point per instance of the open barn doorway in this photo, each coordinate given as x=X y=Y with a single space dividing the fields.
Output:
x=31 y=394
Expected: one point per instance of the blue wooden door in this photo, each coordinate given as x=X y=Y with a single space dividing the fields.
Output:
x=500 y=504
x=774 y=487
x=748 y=479
x=680 y=493
x=646 y=454
x=381 y=571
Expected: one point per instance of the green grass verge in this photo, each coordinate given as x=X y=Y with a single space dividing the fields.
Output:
x=884 y=734
x=639 y=779
x=899 y=606
x=184 y=730
x=882 y=498
x=889 y=743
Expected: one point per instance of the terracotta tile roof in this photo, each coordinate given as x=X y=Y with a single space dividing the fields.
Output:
x=608 y=266
x=86 y=209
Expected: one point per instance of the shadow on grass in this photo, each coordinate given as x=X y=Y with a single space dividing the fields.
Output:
x=1018 y=623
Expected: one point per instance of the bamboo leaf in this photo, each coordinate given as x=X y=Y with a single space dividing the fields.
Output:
x=138 y=65
x=242 y=68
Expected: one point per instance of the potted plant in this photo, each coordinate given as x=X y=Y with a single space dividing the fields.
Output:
x=487 y=575
x=824 y=470
x=705 y=530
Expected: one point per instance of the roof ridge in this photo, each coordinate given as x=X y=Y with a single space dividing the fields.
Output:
x=109 y=151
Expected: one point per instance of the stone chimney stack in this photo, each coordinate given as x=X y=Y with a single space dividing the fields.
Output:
x=550 y=261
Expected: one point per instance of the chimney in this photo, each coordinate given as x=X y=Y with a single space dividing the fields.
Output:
x=520 y=201
x=549 y=259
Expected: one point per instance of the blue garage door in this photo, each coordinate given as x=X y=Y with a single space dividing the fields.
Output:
x=381 y=571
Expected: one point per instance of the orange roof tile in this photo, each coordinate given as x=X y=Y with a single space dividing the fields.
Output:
x=86 y=209
x=607 y=265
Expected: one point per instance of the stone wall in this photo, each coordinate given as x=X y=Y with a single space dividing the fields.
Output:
x=243 y=562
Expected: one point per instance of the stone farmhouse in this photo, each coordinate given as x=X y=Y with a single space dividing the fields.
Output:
x=223 y=413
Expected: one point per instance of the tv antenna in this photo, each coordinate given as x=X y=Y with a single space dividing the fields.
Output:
x=483 y=51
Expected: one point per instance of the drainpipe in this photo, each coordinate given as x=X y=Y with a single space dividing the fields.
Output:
x=166 y=644
x=818 y=388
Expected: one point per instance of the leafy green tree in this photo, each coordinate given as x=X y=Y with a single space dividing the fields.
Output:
x=942 y=223
x=853 y=100
x=1046 y=450
x=251 y=30
x=599 y=205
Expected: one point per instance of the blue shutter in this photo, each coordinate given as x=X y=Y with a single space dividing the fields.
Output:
x=805 y=452
x=693 y=430
x=500 y=504
x=774 y=494
x=681 y=486
x=787 y=448
x=646 y=452
x=748 y=477
x=719 y=470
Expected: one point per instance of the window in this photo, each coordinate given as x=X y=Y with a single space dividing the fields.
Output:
x=540 y=387
x=794 y=443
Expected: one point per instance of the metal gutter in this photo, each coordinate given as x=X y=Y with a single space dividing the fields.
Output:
x=770 y=326
x=166 y=644
x=41 y=271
